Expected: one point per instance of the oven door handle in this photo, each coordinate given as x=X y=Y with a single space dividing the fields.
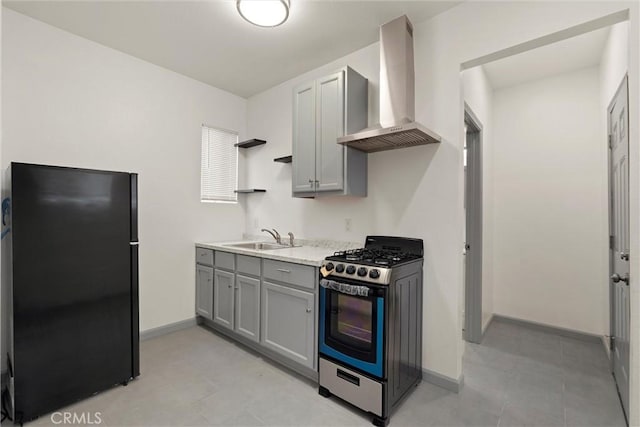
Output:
x=345 y=288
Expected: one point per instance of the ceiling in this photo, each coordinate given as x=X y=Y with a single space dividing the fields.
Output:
x=210 y=42
x=572 y=54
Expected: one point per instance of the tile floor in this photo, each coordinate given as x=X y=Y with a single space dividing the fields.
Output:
x=516 y=377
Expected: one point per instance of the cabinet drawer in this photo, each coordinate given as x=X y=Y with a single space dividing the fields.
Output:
x=249 y=265
x=350 y=385
x=295 y=274
x=225 y=260
x=204 y=256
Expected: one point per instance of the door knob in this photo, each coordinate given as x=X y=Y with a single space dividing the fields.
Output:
x=615 y=277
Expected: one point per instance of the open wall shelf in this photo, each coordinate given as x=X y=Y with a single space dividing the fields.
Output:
x=250 y=190
x=250 y=143
x=285 y=159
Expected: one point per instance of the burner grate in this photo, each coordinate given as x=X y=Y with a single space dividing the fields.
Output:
x=375 y=256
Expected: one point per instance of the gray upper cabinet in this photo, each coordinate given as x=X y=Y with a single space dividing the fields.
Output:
x=288 y=322
x=304 y=138
x=324 y=110
x=248 y=307
x=223 y=290
x=204 y=291
x=329 y=126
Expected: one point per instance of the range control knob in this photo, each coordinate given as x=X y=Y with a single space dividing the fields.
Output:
x=339 y=268
x=362 y=272
x=374 y=274
x=351 y=269
x=329 y=266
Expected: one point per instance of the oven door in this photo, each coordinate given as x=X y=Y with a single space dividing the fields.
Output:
x=352 y=324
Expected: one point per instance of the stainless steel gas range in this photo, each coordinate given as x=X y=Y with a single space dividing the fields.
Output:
x=370 y=326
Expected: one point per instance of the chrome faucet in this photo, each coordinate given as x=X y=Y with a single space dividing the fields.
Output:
x=290 y=239
x=275 y=236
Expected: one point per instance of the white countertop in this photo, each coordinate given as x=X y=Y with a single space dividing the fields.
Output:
x=308 y=255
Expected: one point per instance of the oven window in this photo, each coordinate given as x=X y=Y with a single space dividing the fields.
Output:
x=352 y=321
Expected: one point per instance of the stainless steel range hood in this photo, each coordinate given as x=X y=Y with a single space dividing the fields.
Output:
x=397 y=128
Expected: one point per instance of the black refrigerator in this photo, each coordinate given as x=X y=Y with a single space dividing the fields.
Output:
x=73 y=285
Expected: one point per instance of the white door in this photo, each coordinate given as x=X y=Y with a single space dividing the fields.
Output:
x=618 y=125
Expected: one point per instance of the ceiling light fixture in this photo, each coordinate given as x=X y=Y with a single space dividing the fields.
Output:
x=264 y=13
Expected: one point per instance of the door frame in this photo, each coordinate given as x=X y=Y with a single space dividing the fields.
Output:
x=473 y=233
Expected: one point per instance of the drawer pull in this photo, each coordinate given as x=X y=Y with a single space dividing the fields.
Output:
x=308 y=310
x=284 y=270
x=348 y=377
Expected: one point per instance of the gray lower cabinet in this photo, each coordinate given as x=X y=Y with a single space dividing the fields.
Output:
x=247 y=307
x=204 y=291
x=223 y=290
x=269 y=302
x=288 y=319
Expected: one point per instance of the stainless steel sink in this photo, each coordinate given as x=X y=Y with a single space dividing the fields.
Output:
x=259 y=246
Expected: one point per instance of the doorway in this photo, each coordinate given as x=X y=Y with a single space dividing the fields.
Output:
x=564 y=227
x=473 y=226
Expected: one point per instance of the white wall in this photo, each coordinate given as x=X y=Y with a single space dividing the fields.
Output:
x=69 y=101
x=550 y=195
x=417 y=191
x=427 y=205
x=478 y=94
x=614 y=63
x=269 y=116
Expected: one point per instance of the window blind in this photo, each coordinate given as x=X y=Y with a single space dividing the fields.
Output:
x=219 y=168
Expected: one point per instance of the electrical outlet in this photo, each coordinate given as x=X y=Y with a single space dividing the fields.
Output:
x=347 y=224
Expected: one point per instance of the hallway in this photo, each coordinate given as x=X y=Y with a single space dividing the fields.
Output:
x=536 y=378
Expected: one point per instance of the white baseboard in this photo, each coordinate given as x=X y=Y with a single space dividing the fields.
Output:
x=167 y=329
x=487 y=323
x=443 y=381
x=565 y=332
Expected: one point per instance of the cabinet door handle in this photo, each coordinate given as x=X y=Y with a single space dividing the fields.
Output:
x=309 y=310
x=231 y=286
x=284 y=270
x=310 y=183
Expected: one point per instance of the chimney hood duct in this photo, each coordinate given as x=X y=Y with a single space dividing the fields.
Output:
x=397 y=128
